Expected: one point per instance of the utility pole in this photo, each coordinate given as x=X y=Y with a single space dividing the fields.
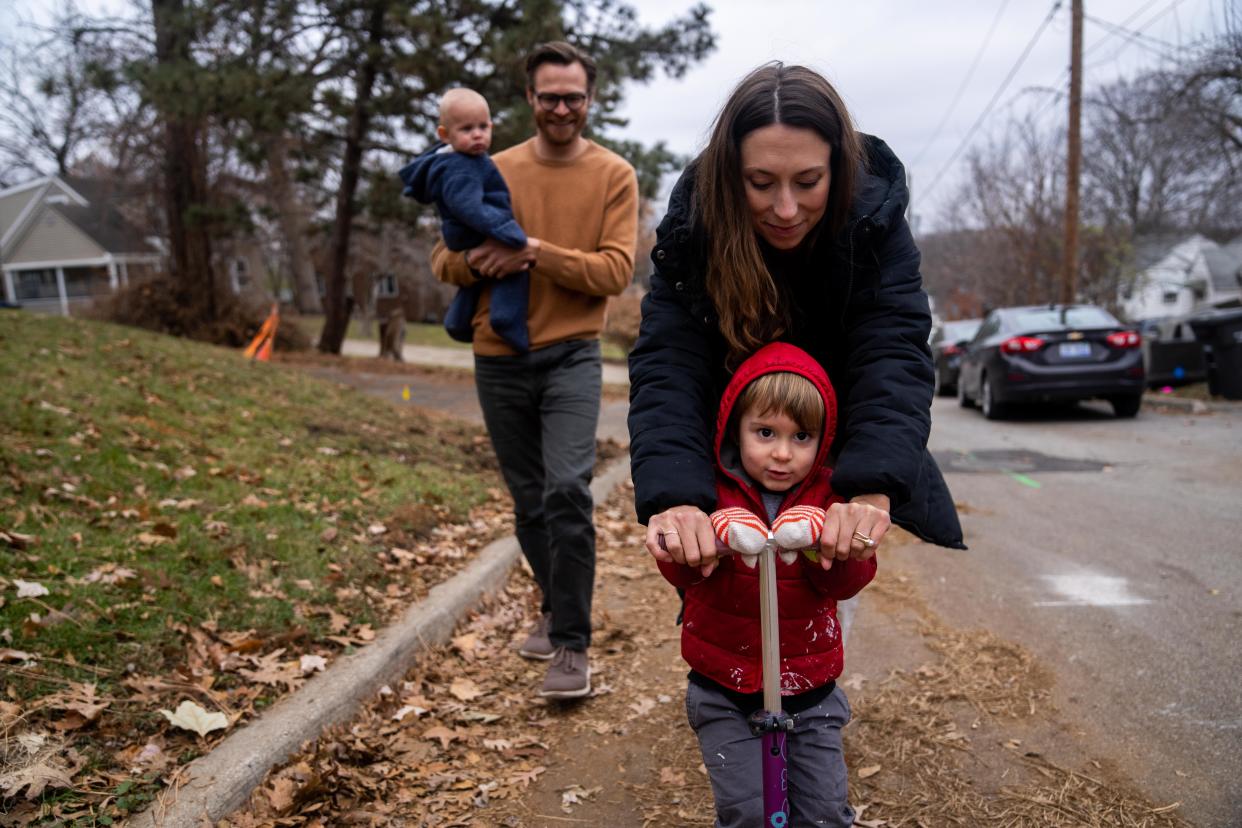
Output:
x=1069 y=281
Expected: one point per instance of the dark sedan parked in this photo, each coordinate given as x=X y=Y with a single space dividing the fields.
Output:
x=947 y=342
x=1052 y=353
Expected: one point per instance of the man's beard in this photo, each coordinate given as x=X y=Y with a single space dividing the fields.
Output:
x=546 y=123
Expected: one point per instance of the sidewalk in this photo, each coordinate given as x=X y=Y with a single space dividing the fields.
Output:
x=614 y=374
x=1154 y=399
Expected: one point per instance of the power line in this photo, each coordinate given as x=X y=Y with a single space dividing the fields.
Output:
x=1060 y=85
x=1171 y=7
x=970 y=134
x=970 y=73
x=1160 y=47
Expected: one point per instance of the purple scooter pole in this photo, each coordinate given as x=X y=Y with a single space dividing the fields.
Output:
x=772 y=723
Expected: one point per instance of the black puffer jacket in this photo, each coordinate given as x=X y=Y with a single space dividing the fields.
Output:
x=859 y=308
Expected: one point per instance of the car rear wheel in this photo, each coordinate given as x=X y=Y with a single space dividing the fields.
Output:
x=991 y=408
x=1126 y=406
x=963 y=400
x=943 y=390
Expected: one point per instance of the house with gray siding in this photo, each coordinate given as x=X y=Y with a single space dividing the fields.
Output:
x=62 y=244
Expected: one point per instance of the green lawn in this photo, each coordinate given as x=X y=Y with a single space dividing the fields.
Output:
x=416 y=333
x=159 y=497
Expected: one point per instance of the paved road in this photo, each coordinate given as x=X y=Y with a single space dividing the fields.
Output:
x=1113 y=550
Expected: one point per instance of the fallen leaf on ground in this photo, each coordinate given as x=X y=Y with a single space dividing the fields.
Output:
x=442 y=734
x=29 y=589
x=465 y=689
x=189 y=716
x=668 y=776
x=870 y=770
x=313 y=663
x=576 y=795
x=643 y=706
x=15 y=655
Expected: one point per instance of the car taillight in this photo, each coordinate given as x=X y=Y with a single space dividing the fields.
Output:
x=1022 y=344
x=950 y=350
x=1124 y=339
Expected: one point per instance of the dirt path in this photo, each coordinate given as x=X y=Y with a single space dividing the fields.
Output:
x=951 y=727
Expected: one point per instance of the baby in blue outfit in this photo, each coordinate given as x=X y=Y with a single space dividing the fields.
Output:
x=470 y=194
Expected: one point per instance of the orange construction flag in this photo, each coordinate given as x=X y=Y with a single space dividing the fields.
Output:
x=260 y=347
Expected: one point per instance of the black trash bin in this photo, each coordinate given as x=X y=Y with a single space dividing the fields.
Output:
x=1220 y=332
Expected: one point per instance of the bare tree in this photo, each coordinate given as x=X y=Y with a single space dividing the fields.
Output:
x=1155 y=161
x=46 y=107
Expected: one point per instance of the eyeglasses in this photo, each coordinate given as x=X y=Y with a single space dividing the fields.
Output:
x=549 y=101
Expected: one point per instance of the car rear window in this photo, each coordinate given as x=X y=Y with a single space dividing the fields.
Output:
x=1045 y=319
x=954 y=331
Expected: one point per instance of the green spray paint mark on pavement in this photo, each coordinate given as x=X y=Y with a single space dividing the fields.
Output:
x=1024 y=480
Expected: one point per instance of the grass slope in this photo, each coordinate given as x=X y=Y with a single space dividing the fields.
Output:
x=156 y=488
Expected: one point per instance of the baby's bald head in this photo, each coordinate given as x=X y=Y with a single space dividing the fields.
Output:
x=465 y=122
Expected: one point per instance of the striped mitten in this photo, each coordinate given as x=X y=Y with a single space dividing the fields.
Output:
x=742 y=532
x=798 y=529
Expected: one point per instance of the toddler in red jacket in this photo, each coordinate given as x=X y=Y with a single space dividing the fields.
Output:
x=776 y=421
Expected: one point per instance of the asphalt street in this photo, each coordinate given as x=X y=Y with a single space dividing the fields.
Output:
x=1113 y=550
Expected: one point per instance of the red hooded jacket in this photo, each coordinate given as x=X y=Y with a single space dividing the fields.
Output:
x=720 y=636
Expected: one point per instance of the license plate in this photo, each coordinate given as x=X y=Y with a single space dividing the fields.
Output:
x=1075 y=350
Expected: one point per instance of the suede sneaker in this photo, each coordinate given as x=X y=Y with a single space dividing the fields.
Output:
x=569 y=675
x=537 y=645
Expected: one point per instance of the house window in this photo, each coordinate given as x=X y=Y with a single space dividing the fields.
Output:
x=1170 y=297
x=31 y=285
x=86 y=281
x=241 y=273
x=385 y=286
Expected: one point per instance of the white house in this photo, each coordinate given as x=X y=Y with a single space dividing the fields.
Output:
x=1180 y=274
x=62 y=245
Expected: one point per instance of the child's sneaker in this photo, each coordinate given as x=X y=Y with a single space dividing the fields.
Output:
x=537 y=645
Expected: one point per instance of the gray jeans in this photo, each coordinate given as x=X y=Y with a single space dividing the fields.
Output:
x=541 y=410
x=818 y=787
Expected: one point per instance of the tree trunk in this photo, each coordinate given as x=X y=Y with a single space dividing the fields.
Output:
x=292 y=215
x=185 y=167
x=337 y=321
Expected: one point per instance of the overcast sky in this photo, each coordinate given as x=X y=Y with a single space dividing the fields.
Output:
x=900 y=63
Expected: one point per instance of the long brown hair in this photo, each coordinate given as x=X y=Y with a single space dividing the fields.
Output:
x=750 y=304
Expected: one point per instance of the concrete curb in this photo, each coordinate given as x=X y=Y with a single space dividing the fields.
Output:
x=219 y=783
x=1192 y=406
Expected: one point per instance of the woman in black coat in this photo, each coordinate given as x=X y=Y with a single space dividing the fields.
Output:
x=789 y=226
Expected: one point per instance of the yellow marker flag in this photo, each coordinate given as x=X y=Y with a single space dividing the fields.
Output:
x=405 y=393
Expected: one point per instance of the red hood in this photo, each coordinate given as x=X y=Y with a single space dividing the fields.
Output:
x=770 y=359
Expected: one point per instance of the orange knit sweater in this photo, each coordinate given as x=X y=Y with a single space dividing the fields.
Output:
x=585 y=214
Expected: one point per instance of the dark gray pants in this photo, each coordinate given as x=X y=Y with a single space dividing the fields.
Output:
x=541 y=411
x=818 y=787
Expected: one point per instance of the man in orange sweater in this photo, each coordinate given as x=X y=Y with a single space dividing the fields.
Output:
x=578 y=203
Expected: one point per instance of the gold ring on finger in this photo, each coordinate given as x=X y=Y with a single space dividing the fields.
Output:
x=867 y=541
